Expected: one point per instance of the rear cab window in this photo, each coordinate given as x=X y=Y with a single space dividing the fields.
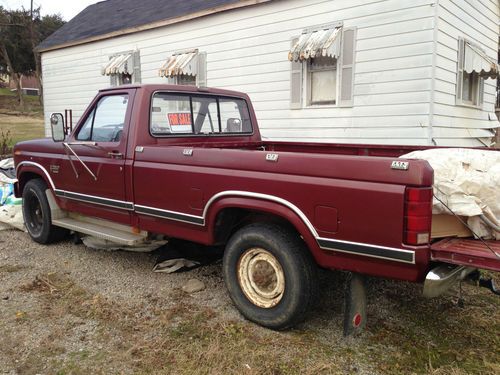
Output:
x=197 y=115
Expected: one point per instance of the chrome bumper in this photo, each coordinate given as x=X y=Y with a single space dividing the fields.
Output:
x=441 y=278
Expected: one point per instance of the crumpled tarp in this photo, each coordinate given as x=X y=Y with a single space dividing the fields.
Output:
x=101 y=244
x=468 y=182
x=11 y=212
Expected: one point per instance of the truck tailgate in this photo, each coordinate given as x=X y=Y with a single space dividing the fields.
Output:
x=467 y=252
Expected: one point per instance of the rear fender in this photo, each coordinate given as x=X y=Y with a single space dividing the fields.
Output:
x=263 y=206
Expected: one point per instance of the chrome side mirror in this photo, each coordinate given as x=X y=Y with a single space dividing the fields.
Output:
x=57 y=127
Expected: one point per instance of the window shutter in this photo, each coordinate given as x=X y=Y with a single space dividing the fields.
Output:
x=460 y=68
x=296 y=80
x=201 y=74
x=347 y=69
x=136 y=57
x=113 y=80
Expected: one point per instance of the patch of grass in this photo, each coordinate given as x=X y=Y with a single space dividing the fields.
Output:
x=437 y=336
x=20 y=128
x=18 y=124
x=179 y=336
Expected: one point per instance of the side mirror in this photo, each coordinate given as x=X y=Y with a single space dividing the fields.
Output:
x=57 y=127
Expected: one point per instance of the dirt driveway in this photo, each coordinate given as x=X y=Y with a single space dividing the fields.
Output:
x=67 y=309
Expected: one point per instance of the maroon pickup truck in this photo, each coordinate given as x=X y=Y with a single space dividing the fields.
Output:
x=189 y=163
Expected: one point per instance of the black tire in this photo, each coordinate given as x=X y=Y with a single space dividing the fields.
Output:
x=36 y=211
x=295 y=267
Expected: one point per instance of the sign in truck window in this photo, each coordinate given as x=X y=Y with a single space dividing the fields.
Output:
x=177 y=114
x=179 y=122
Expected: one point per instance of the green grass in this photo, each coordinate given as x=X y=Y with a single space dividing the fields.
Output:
x=18 y=124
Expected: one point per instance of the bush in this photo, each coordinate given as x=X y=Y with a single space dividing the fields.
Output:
x=5 y=144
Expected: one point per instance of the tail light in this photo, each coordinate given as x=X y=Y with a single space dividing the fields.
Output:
x=418 y=216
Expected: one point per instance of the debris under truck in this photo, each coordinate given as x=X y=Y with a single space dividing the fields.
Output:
x=189 y=163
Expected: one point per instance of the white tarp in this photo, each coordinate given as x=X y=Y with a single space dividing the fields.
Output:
x=468 y=182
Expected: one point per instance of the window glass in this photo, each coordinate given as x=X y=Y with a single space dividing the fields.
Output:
x=171 y=114
x=206 y=116
x=125 y=79
x=186 y=80
x=106 y=124
x=322 y=80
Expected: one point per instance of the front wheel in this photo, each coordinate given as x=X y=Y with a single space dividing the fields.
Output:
x=36 y=211
x=270 y=275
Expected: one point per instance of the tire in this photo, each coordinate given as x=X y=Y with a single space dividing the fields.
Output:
x=270 y=275
x=36 y=211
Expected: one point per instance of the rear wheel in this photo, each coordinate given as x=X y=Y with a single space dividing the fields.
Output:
x=36 y=211
x=270 y=275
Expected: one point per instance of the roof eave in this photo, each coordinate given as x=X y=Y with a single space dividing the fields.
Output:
x=155 y=25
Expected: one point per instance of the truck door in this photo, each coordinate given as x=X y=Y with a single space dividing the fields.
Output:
x=92 y=175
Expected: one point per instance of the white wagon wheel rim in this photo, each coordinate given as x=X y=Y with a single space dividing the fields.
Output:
x=261 y=277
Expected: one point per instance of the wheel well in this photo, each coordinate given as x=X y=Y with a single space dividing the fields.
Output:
x=24 y=178
x=230 y=220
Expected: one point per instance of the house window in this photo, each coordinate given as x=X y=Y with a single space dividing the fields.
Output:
x=184 y=80
x=473 y=67
x=322 y=67
x=322 y=81
x=186 y=68
x=124 y=79
x=123 y=68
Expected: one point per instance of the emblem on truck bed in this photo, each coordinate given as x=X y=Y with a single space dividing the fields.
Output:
x=272 y=157
x=400 y=165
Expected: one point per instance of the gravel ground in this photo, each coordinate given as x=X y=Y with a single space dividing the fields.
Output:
x=68 y=309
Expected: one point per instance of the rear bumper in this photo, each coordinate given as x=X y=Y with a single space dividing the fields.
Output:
x=441 y=278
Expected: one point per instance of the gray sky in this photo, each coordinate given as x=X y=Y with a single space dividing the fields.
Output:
x=66 y=8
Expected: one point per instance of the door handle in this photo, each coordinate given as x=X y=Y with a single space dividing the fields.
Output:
x=115 y=155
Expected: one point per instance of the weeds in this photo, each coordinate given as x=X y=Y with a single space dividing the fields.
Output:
x=5 y=143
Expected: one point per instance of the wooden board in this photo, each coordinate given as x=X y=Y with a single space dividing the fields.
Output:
x=449 y=226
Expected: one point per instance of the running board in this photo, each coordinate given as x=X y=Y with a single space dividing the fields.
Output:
x=98 y=228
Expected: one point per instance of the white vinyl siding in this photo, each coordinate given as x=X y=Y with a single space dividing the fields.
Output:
x=458 y=125
x=246 y=50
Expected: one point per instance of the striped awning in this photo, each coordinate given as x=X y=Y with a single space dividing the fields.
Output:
x=180 y=64
x=476 y=60
x=120 y=64
x=321 y=43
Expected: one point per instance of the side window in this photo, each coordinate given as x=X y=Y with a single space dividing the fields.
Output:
x=105 y=122
x=178 y=114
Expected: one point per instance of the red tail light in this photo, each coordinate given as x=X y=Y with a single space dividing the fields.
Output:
x=418 y=216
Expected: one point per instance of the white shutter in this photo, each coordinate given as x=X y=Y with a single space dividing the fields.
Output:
x=201 y=74
x=296 y=80
x=460 y=69
x=136 y=57
x=347 y=67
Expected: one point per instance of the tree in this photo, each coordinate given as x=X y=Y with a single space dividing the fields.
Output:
x=20 y=32
x=15 y=48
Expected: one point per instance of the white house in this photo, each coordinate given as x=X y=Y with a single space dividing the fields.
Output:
x=417 y=72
